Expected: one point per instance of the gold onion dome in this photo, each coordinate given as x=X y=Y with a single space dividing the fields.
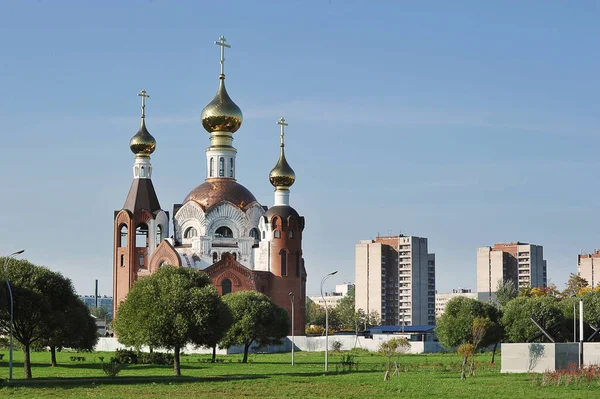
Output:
x=142 y=144
x=282 y=175
x=222 y=114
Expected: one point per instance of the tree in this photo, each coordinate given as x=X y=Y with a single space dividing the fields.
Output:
x=465 y=351
x=390 y=348
x=518 y=313
x=345 y=311
x=41 y=300
x=505 y=291
x=455 y=326
x=574 y=284
x=481 y=325
x=169 y=309
x=256 y=319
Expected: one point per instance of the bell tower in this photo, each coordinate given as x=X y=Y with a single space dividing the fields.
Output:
x=141 y=224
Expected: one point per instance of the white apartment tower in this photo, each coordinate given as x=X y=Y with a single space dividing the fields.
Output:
x=519 y=262
x=587 y=267
x=395 y=276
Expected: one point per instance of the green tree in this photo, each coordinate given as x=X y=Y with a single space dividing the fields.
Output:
x=345 y=311
x=574 y=284
x=544 y=310
x=41 y=300
x=455 y=326
x=505 y=291
x=256 y=319
x=169 y=309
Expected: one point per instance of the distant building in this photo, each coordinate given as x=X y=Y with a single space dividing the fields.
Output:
x=442 y=299
x=395 y=277
x=333 y=298
x=587 y=267
x=105 y=302
x=519 y=262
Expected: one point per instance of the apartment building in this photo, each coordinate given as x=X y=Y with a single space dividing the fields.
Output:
x=395 y=276
x=519 y=262
x=587 y=267
x=442 y=299
x=332 y=298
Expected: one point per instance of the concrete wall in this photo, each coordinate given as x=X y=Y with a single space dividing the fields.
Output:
x=538 y=358
x=303 y=343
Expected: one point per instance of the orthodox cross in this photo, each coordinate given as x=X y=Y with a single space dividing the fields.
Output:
x=281 y=122
x=144 y=97
x=221 y=43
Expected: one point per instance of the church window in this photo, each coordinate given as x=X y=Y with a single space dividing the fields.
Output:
x=297 y=263
x=142 y=260
x=291 y=233
x=215 y=257
x=221 y=167
x=283 y=262
x=230 y=167
x=254 y=233
x=123 y=240
x=122 y=260
x=190 y=233
x=224 y=232
x=226 y=287
x=277 y=234
x=141 y=236
x=158 y=234
x=264 y=234
x=212 y=167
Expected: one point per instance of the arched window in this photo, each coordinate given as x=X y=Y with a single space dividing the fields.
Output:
x=230 y=167
x=277 y=234
x=297 y=263
x=158 y=234
x=291 y=234
x=254 y=233
x=283 y=262
x=221 y=167
x=264 y=234
x=122 y=260
x=142 y=260
x=226 y=287
x=224 y=232
x=212 y=167
x=123 y=240
x=141 y=236
x=191 y=232
x=163 y=263
x=215 y=257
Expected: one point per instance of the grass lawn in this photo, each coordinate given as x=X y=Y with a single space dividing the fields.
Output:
x=272 y=376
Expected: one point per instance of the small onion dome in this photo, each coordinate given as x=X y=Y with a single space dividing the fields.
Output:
x=222 y=114
x=282 y=174
x=142 y=144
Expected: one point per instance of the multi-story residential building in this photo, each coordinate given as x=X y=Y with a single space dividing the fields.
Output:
x=332 y=299
x=587 y=267
x=395 y=277
x=442 y=299
x=519 y=262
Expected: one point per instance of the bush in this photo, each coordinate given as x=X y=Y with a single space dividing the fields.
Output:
x=158 y=358
x=126 y=356
x=113 y=367
x=77 y=358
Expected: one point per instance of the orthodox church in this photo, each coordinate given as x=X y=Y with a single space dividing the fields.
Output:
x=219 y=228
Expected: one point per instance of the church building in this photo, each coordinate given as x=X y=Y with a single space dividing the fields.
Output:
x=219 y=228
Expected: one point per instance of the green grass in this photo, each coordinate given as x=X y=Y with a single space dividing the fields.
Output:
x=272 y=376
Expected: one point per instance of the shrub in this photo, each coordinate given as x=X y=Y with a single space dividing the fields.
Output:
x=126 y=356
x=113 y=367
x=77 y=358
x=158 y=358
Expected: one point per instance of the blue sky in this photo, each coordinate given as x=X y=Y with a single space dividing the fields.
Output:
x=468 y=123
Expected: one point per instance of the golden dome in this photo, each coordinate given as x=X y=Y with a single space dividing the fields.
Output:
x=214 y=191
x=142 y=144
x=222 y=114
x=282 y=174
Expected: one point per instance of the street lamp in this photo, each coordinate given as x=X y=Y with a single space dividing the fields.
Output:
x=326 y=321
x=291 y=295
x=10 y=345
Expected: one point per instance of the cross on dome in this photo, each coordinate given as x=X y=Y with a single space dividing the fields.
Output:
x=281 y=122
x=222 y=43
x=144 y=97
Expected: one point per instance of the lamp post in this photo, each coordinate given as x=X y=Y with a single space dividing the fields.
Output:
x=10 y=345
x=291 y=295
x=326 y=321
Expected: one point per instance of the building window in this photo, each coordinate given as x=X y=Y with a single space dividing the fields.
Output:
x=264 y=234
x=254 y=233
x=291 y=234
x=277 y=234
x=215 y=257
x=234 y=256
x=123 y=240
x=141 y=236
x=212 y=167
x=142 y=260
x=224 y=232
x=221 y=167
x=122 y=260
x=283 y=262
x=158 y=234
x=191 y=232
x=226 y=287
x=230 y=167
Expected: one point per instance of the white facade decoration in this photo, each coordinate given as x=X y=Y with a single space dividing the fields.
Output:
x=142 y=168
